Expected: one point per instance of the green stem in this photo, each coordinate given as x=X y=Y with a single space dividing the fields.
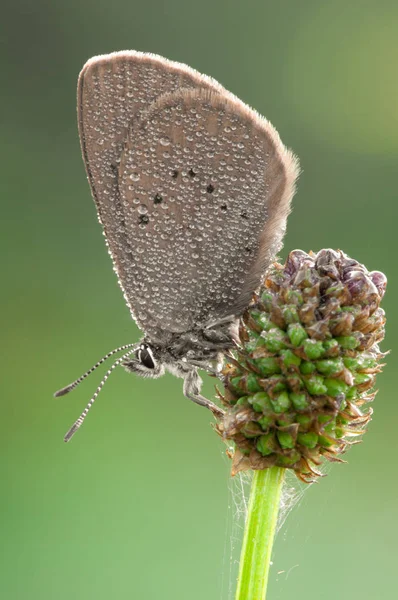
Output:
x=259 y=533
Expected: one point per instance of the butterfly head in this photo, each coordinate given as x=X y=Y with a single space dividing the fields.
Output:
x=145 y=362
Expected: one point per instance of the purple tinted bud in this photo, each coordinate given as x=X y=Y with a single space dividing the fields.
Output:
x=349 y=265
x=327 y=256
x=327 y=262
x=359 y=285
x=380 y=281
x=294 y=261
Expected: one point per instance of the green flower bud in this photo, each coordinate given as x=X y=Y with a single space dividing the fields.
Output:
x=267 y=366
x=297 y=334
x=266 y=444
x=313 y=349
x=275 y=339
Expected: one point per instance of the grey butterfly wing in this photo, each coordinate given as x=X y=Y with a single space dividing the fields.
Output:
x=205 y=188
x=113 y=90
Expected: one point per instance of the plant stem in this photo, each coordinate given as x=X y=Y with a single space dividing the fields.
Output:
x=259 y=533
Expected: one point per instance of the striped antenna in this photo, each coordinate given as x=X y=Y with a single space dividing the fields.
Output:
x=71 y=386
x=80 y=420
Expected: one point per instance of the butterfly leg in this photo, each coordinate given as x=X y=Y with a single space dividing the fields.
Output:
x=215 y=371
x=192 y=385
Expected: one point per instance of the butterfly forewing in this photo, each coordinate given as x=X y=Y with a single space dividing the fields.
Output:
x=112 y=92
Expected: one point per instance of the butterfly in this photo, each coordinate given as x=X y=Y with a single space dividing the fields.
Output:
x=192 y=188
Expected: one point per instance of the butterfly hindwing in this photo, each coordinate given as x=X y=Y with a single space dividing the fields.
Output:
x=205 y=187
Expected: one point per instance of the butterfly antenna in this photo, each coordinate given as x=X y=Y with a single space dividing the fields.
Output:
x=80 y=420
x=71 y=386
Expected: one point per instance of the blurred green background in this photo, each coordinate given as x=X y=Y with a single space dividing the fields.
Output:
x=137 y=506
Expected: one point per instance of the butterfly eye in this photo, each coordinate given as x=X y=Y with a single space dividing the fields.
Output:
x=145 y=357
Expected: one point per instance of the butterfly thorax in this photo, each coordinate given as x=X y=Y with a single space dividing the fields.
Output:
x=198 y=344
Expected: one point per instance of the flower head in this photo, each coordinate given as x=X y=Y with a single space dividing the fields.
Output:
x=297 y=389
